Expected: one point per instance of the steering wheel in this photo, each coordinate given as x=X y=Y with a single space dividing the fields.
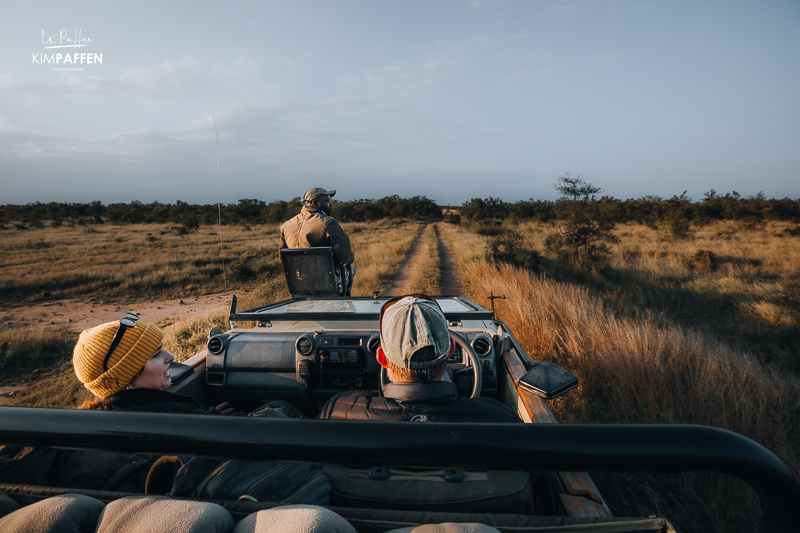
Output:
x=474 y=364
x=474 y=367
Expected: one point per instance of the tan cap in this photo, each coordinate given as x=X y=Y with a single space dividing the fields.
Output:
x=137 y=346
x=317 y=191
x=410 y=325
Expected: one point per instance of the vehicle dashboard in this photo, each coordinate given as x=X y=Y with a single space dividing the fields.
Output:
x=306 y=362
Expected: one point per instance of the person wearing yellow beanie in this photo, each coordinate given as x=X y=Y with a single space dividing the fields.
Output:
x=105 y=374
x=126 y=366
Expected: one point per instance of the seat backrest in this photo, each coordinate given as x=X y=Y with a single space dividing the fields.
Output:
x=310 y=271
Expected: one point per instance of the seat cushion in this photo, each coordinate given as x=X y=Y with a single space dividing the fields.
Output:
x=294 y=519
x=69 y=513
x=158 y=514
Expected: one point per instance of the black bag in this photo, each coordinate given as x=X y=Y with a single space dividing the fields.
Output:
x=266 y=481
x=446 y=490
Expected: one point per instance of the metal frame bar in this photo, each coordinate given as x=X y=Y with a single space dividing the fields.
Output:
x=267 y=313
x=565 y=447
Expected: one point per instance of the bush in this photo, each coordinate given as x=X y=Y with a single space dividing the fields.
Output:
x=240 y=271
x=41 y=244
x=680 y=228
x=508 y=248
x=793 y=232
x=702 y=261
x=452 y=217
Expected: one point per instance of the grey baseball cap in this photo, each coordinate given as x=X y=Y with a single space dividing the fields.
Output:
x=411 y=324
x=317 y=191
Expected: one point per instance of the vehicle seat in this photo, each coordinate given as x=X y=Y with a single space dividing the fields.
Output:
x=68 y=513
x=294 y=518
x=313 y=272
x=78 y=513
x=159 y=514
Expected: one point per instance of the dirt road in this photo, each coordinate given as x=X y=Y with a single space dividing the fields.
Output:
x=450 y=280
x=78 y=314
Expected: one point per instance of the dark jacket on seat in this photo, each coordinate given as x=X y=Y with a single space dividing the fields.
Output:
x=101 y=470
x=436 y=401
x=150 y=400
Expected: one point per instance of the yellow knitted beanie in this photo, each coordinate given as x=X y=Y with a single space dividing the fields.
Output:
x=137 y=346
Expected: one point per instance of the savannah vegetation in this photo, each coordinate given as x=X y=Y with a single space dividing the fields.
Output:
x=638 y=364
x=683 y=312
x=143 y=261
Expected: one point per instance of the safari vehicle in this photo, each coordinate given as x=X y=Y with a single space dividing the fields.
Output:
x=306 y=349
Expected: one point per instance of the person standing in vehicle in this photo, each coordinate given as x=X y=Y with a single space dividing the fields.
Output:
x=314 y=226
x=415 y=345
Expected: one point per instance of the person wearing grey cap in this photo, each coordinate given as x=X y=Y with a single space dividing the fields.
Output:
x=415 y=345
x=314 y=226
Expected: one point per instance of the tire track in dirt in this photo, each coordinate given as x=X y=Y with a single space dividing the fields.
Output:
x=451 y=280
x=404 y=272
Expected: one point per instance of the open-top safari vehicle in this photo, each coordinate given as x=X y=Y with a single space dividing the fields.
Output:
x=306 y=349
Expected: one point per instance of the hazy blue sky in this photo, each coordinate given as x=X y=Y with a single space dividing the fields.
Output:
x=448 y=99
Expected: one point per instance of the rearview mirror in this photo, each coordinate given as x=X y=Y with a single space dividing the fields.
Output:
x=548 y=380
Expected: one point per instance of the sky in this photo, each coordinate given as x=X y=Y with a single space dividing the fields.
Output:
x=448 y=99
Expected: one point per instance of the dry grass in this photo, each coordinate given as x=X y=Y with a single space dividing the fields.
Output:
x=637 y=368
x=741 y=286
x=153 y=260
x=44 y=358
x=380 y=249
x=132 y=260
x=424 y=274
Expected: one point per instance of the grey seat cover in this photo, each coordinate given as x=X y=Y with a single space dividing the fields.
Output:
x=294 y=519
x=69 y=513
x=158 y=514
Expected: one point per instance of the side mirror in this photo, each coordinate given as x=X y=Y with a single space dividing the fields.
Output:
x=548 y=380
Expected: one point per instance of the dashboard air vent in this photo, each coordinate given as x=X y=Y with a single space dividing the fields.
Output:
x=304 y=345
x=482 y=346
x=215 y=345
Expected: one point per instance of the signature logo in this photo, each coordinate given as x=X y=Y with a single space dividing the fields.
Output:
x=65 y=39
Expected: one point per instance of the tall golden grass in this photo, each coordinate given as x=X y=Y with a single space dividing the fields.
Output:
x=380 y=249
x=42 y=357
x=639 y=368
x=740 y=285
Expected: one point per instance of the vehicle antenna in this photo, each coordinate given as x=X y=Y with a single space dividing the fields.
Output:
x=492 y=297
x=219 y=210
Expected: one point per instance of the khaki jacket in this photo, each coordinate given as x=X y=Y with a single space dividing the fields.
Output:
x=312 y=228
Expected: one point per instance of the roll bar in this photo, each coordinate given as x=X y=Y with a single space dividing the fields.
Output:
x=562 y=447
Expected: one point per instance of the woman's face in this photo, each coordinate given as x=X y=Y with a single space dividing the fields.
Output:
x=155 y=374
